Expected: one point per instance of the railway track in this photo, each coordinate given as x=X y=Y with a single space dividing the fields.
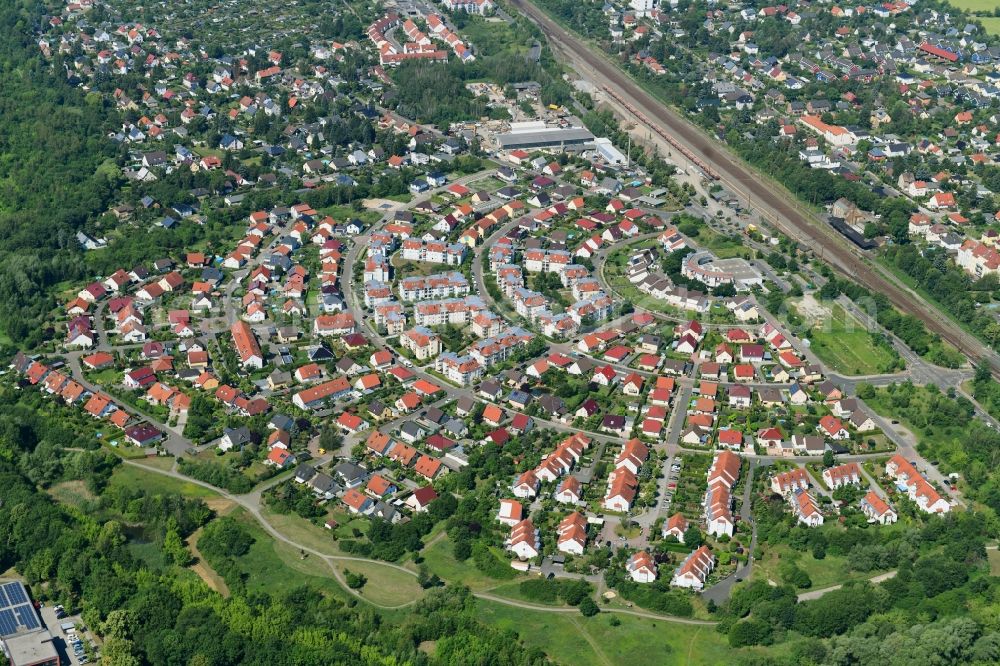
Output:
x=707 y=170
x=718 y=164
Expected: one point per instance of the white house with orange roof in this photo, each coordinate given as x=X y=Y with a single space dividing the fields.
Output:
x=910 y=481
x=526 y=485
x=978 y=259
x=722 y=476
x=524 y=541
x=641 y=567
x=622 y=488
x=510 y=512
x=790 y=481
x=805 y=508
x=877 y=509
x=848 y=474
x=676 y=526
x=694 y=570
x=572 y=531
x=570 y=491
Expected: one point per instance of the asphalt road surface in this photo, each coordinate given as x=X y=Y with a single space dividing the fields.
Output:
x=779 y=209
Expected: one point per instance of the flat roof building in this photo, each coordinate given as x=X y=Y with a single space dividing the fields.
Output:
x=538 y=135
x=608 y=152
x=34 y=648
x=24 y=640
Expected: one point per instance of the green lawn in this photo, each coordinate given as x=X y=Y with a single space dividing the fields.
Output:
x=71 y=493
x=831 y=570
x=439 y=559
x=994 y=559
x=513 y=591
x=150 y=553
x=205 y=151
x=130 y=475
x=570 y=638
x=159 y=462
x=489 y=183
x=724 y=247
x=493 y=37
x=105 y=377
x=274 y=566
x=991 y=23
x=407 y=268
x=300 y=530
x=842 y=343
x=386 y=586
x=975 y=5
x=345 y=213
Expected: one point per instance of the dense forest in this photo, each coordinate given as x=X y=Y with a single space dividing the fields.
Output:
x=932 y=612
x=149 y=613
x=52 y=174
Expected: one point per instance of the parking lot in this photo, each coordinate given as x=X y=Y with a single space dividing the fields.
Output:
x=69 y=636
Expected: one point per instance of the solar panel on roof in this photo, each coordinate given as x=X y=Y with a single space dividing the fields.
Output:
x=8 y=625
x=15 y=592
x=3 y=598
x=26 y=616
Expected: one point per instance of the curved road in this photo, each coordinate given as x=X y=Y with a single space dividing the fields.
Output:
x=787 y=217
x=251 y=503
x=571 y=609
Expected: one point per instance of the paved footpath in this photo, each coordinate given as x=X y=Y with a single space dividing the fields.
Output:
x=252 y=503
x=816 y=594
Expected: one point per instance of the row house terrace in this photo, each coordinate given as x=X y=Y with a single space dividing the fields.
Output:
x=572 y=534
x=98 y=405
x=694 y=569
x=848 y=474
x=805 y=508
x=722 y=477
x=247 y=348
x=910 y=481
x=563 y=458
x=786 y=483
x=524 y=541
x=877 y=509
x=623 y=483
